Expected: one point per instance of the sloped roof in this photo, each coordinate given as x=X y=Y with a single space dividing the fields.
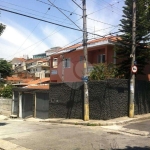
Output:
x=34 y=60
x=20 y=59
x=38 y=81
x=109 y=38
x=45 y=87
x=12 y=78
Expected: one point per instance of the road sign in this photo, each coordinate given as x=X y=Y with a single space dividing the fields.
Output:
x=134 y=69
x=85 y=78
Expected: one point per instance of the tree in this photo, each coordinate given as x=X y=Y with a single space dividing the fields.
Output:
x=5 y=68
x=2 y=28
x=6 y=91
x=102 y=71
x=123 y=45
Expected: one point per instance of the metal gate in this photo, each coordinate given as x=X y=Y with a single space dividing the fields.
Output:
x=42 y=105
x=15 y=110
x=27 y=105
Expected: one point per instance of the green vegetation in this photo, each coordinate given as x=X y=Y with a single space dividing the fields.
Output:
x=6 y=91
x=5 y=68
x=2 y=28
x=124 y=44
x=102 y=71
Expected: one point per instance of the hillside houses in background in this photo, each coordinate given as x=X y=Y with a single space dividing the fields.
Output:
x=66 y=64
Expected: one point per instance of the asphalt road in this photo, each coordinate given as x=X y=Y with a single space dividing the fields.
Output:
x=48 y=136
x=142 y=126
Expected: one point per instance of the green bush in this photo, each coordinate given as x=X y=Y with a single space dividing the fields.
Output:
x=6 y=91
x=103 y=71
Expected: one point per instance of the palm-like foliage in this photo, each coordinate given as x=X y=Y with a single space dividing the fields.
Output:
x=102 y=71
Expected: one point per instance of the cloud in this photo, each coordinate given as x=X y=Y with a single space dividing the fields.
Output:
x=16 y=42
x=105 y=13
x=56 y=38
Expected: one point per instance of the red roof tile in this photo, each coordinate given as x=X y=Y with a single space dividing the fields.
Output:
x=110 y=38
x=45 y=87
x=39 y=81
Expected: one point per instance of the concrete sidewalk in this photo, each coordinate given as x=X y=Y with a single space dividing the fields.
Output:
x=6 y=145
x=116 y=121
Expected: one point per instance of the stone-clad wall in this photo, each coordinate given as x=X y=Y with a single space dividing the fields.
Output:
x=66 y=100
x=108 y=99
x=5 y=106
x=142 y=97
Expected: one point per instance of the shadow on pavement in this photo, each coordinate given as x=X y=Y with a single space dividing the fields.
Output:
x=136 y=148
x=3 y=124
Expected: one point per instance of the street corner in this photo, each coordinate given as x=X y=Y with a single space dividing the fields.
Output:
x=6 y=145
x=2 y=117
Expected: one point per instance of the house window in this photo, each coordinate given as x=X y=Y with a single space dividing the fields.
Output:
x=81 y=58
x=101 y=58
x=66 y=63
x=55 y=62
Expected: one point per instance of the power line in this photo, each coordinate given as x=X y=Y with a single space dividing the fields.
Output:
x=47 y=21
x=60 y=8
x=39 y=19
x=31 y=32
x=103 y=8
x=101 y=22
x=45 y=37
x=64 y=14
x=110 y=5
x=76 y=13
x=90 y=27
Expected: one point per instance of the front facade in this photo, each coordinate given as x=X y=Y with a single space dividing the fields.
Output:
x=66 y=65
x=37 y=56
x=18 y=65
x=39 y=68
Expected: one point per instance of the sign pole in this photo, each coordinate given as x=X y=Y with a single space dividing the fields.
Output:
x=132 y=79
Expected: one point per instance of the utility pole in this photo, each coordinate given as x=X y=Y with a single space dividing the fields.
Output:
x=132 y=79
x=86 y=93
x=63 y=67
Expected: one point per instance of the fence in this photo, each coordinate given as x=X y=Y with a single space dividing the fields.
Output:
x=107 y=99
x=5 y=106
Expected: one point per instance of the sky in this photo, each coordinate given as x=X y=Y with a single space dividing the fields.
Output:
x=26 y=36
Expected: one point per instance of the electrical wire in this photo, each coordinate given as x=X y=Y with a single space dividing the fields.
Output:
x=53 y=32
x=103 y=8
x=64 y=14
x=110 y=5
x=77 y=14
x=61 y=8
x=31 y=32
x=47 y=21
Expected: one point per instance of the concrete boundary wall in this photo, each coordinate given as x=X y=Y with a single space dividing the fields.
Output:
x=5 y=106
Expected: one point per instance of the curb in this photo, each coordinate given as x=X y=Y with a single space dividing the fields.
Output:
x=88 y=123
x=135 y=132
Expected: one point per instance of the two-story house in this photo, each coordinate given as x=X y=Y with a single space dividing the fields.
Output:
x=67 y=64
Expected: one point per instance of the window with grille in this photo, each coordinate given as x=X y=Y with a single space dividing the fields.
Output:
x=101 y=58
x=66 y=63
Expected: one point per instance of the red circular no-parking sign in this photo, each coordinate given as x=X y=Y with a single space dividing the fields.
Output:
x=134 y=69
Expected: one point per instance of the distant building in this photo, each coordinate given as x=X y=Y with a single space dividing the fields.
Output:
x=52 y=50
x=39 y=68
x=42 y=55
x=18 y=64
